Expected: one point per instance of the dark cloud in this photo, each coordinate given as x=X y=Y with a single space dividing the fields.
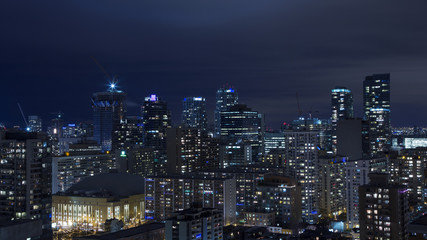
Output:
x=268 y=50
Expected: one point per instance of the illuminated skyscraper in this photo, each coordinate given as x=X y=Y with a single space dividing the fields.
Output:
x=302 y=157
x=109 y=110
x=156 y=118
x=34 y=124
x=376 y=102
x=55 y=133
x=241 y=124
x=225 y=98
x=342 y=108
x=194 y=112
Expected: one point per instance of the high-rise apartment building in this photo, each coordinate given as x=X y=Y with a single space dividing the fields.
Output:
x=190 y=150
x=323 y=126
x=302 y=157
x=331 y=185
x=194 y=113
x=25 y=177
x=383 y=209
x=129 y=134
x=407 y=168
x=379 y=131
x=139 y=161
x=168 y=194
x=247 y=179
x=376 y=103
x=156 y=118
x=356 y=175
x=109 y=110
x=225 y=98
x=286 y=203
x=71 y=169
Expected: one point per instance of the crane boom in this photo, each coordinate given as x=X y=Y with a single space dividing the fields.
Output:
x=23 y=116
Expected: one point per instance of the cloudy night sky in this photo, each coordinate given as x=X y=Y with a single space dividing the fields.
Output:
x=266 y=49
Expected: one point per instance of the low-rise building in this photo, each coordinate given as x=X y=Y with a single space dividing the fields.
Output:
x=90 y=203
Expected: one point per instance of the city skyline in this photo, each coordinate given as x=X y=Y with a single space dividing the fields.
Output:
x=264 y=50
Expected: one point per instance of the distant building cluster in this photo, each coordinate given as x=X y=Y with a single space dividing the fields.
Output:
x=121 y=176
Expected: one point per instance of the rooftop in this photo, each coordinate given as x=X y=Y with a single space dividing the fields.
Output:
x=127 y=232
x=118 y=184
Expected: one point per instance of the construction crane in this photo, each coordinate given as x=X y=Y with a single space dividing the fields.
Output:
x=23 y=116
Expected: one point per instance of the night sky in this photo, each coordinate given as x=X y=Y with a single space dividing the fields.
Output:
x=267 y=49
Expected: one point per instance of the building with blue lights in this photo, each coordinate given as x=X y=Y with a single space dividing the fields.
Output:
x=109 y=110
x=195 y=223
x=194 y=113
x=225 y=98
x=376 y=103
x=156 y=118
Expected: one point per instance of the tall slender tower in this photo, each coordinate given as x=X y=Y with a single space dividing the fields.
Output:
x=342 y=108
x=156 y=118
x=109 y=110
x=302 y=157
x=194 y=113
x=376 y=102
x=225 y=98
